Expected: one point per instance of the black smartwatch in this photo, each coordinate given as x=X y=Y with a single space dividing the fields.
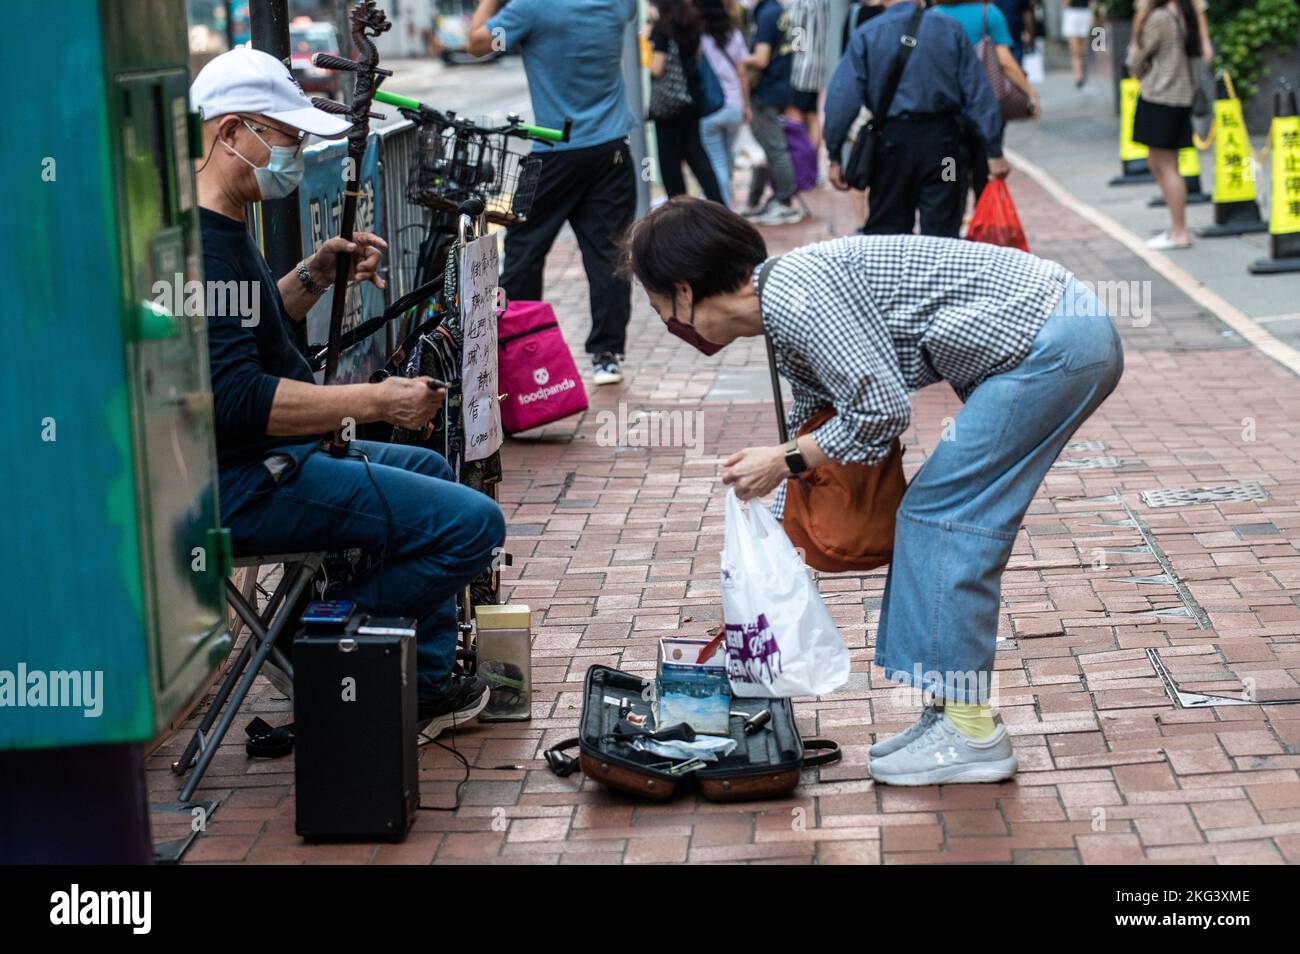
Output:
x=793 y=459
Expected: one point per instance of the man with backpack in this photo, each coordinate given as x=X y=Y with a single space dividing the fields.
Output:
x=918 y=74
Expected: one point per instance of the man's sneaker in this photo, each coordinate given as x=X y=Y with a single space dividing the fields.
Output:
x=942 y=755
x=895 y=742
x=462 y=701
x=605 y=368
x=779 y=213
x=754 y=211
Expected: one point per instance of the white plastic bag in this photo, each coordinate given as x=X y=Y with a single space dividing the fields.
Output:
x=780 y=640
x=1035 y=70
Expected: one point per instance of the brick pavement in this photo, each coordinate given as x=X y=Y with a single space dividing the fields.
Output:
x=616 y=546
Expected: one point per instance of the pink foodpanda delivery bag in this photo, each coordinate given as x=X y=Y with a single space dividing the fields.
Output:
x=536 y=371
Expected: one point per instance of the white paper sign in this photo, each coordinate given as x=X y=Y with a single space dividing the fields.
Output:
x=478 y=284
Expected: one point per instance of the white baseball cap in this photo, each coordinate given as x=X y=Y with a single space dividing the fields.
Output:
x=245 y=80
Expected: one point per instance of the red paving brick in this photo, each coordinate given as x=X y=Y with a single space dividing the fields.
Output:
x=615 y=546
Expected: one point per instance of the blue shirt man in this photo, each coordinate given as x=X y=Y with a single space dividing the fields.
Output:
x=772 y=27
x=1019 y=17
x=943 y=76
x=572 y=52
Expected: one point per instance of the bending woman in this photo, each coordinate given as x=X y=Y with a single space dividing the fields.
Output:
x=857 y=324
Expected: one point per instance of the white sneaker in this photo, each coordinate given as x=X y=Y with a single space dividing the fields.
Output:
x=778 y=214
x=605 y=368
x=943 y=755
x=895 y=742
x=754 y=211
x=1163 y=243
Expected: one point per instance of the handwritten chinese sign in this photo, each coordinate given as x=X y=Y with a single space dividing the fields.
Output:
x=478 y=284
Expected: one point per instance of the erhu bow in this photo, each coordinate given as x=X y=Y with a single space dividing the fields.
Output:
x=367 y=21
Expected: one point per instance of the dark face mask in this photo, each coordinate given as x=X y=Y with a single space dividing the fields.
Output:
x=688 y=333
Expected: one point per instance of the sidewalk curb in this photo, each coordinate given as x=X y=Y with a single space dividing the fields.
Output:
x=1229 y=314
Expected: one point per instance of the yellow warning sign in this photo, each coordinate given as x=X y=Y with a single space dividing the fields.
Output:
x=1128 y=104
x=1234 y=177
x=1285 y=138
x=1189 y=163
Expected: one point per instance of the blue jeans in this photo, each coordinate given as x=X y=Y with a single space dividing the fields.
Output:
x=441 y=534
x=718 y=132
x=959 y=517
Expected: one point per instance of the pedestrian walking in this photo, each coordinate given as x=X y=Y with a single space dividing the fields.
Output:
x=1028 y=349
x=1165 y=42
x=916 y=168
x=1076 y=27
x=675 y=39
x=808 y=23
x=975 y=20
x=724 y=46
x=1019 y=15
x=859 y=13
x=573 y=51
x=771 y=58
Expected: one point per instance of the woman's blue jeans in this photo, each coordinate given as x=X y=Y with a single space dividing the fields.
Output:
x=436 y=534
x=959 y=517
x=718 y=134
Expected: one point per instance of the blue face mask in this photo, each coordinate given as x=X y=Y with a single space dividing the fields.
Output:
x=282 y=173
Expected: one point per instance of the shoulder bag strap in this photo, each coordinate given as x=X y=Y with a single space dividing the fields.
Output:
x=908 y=43
x=771 y=355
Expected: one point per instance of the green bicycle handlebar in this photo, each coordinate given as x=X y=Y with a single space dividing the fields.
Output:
x=542 y=133
x=403 y=102
x=550 y=135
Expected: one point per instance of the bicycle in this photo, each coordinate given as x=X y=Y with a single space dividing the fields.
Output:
x=466 y=176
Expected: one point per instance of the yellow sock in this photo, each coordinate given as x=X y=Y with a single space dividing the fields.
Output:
x=973 y=720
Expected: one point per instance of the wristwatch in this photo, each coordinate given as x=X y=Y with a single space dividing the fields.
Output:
x=304 y=276
x=793 y=459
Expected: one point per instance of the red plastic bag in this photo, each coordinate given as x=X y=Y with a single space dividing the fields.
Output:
x=995 y=220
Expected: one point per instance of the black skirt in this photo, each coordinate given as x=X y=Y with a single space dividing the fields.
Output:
x=1162 y=127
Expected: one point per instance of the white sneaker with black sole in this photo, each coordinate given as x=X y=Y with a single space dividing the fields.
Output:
x=605 y=368
x=464 y=699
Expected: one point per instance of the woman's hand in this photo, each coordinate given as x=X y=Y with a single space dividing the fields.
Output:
x=755 y=471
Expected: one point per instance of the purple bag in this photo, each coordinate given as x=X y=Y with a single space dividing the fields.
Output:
x=802 y=154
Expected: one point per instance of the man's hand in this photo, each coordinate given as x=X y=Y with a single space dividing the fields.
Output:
x=755 y=471
x=408 y=402
x=366 y=248
x=835 y=176
x=999 y=168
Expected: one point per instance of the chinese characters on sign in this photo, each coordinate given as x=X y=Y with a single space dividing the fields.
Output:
x=1234 y=179
x=478 y=284
x=1285 y=217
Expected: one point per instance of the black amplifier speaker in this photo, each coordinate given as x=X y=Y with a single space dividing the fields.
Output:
x=354 y=681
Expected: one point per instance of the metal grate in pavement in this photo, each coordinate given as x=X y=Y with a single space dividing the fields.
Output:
x=1225 y=493
x=1104 y=462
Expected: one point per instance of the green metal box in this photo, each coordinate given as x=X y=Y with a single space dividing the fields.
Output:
x=114 y=560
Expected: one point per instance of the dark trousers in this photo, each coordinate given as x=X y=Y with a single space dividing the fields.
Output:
x=918 y=168
x=679 y=141
x=977 y=161
x=594 y=190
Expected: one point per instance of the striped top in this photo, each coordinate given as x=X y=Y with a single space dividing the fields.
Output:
x=1161 y=51
x=808 y=37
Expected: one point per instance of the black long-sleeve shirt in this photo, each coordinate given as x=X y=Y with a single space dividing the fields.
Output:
x=249 y=348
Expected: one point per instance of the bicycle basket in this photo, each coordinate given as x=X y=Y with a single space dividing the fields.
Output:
x=455 y=164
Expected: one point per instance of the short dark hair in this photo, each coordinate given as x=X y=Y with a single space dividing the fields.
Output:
x=701 y=243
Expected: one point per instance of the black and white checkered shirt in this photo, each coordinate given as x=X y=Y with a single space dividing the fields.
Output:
x=858 y=323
